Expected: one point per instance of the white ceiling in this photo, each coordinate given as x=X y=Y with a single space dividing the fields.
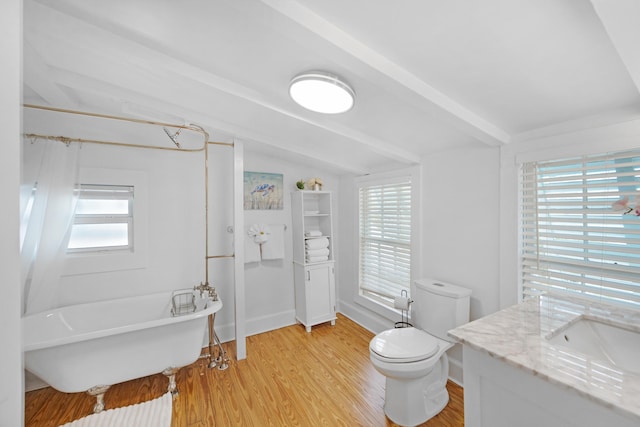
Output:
x=430 y=75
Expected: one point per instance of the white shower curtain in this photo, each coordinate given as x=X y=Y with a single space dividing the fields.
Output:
x=47 y=203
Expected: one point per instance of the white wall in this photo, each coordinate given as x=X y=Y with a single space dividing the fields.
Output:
x=11 y=384
x=460 y=226
x=461 y=223
x=174 y=218
x=459 y=193
x=269 y=284
x=174 y=247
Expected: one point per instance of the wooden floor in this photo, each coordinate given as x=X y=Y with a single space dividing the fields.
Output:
x=290 y=378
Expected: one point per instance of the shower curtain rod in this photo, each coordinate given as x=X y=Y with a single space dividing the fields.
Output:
x=205 y=146
x=67 y=140
x=194 y=128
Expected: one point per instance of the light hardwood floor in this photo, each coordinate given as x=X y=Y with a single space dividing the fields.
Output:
x=290 y=378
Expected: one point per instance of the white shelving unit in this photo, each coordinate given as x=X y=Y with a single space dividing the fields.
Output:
x=314 y=281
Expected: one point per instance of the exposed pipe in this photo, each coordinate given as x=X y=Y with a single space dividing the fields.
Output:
x=221 y=361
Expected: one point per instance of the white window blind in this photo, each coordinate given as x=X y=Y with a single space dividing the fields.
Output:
x=573 y=242
x=103 y=219
x=385 y=240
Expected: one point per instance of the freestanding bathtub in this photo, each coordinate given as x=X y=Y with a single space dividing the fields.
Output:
x=89 y=347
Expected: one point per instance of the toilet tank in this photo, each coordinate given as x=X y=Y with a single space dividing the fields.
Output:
x=439 y=307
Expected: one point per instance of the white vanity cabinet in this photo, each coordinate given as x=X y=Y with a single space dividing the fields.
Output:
x=522 y=377
x=314 y=277
x=315 y=294
x=497 y=394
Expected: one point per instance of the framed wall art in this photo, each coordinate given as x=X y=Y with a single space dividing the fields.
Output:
x=263 y=191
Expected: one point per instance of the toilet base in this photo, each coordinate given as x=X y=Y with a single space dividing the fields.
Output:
x=412 y=402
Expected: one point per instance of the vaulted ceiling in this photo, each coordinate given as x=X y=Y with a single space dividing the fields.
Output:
x=429 y=75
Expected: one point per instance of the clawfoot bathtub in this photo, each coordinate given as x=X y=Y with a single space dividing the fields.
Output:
x=89 y=347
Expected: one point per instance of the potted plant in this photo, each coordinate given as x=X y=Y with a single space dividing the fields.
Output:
x=300 y=184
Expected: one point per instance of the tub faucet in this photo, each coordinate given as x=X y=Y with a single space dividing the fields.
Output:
x=206 y=287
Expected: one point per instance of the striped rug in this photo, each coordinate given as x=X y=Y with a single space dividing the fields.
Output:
x=154 y=413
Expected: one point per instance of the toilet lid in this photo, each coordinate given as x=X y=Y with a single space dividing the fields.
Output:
x=404 y=345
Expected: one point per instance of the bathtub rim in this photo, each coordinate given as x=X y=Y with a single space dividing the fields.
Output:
x=211 y=307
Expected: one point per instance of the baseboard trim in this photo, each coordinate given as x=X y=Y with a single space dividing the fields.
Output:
x=256 y=325
x=33 y=382
x=365 y=318
x=271 y=322
x=455 y=372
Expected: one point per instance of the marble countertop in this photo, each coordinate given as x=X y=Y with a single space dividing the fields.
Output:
x=517 y=335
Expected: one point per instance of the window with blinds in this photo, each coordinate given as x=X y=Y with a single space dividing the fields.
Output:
x=574 y=241
x=103 y=219
x=385 y=240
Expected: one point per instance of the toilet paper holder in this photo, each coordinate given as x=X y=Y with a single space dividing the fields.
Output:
x=403 y=302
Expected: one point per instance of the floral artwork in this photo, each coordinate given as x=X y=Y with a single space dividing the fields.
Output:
x=263 y=191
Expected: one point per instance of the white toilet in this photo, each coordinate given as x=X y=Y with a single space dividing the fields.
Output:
x=414 y=359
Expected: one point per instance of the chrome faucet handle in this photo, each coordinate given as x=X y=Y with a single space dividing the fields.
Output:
x=206 y=287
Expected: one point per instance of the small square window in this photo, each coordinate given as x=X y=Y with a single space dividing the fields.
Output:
x=103 y=219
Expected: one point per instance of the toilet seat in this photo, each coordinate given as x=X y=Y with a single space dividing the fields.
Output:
x=403 y=345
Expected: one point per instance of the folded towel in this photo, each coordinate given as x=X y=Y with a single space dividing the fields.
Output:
x=317 y=258
x=274 y=247
x=259 y=232
x=313 y=233
x=320 y=243
x=251 y=249
x=317 y=252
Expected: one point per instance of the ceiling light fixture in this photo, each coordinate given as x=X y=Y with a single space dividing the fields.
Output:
x=322 y=92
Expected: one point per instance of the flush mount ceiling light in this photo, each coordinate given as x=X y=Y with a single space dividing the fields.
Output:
x=322 y=92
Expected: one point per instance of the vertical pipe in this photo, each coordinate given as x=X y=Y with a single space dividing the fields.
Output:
x=206 y=212
x=212 y=360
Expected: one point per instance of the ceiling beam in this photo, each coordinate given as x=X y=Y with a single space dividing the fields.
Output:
x=178 y=109
x=440 y=104
x=607 y=118
x=36 y=76
x=125 y=50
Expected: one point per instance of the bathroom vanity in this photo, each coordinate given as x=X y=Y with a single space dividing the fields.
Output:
x=552 y=362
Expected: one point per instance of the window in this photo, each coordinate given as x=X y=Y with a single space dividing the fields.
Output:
x=103 y=219
x=385 y=239
x=573 y=242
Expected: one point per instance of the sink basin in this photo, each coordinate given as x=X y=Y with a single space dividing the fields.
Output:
x=616 y=345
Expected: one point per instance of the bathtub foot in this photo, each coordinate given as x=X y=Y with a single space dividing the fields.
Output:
x=98 y=391
x=170 y=373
